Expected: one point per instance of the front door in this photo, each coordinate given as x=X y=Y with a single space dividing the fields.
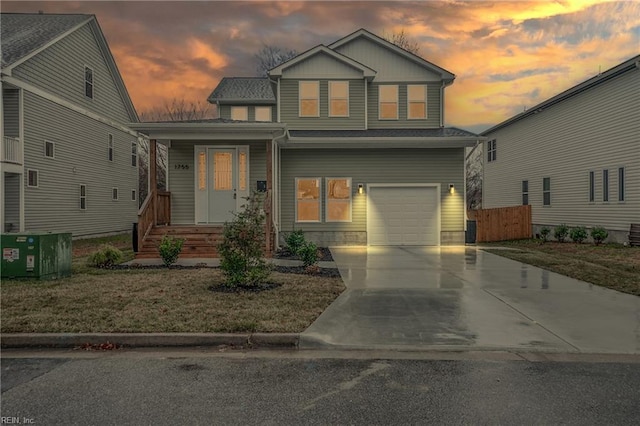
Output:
x=222 y=184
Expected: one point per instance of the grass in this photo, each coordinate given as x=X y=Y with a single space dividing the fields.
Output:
x=158 y=300
x=610 y=265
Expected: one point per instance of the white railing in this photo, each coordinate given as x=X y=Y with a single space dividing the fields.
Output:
x=11 y=151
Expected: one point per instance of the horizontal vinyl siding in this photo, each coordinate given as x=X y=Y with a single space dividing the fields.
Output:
x=595 y=130
x=289 y=107
x=441 y=166
x=321 y=66
x=11 y=111
x=433 y=109
x=182 y=181
x=80 y=158
x=60 y=70
x=225 y=112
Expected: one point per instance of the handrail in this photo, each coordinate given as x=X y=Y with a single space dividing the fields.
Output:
x=11 y=151
x=155 y=210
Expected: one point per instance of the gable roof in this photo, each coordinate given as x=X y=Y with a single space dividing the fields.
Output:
x=321 y=49
x=255 y=90
x=362 y=33
x=628 y=65
x=24 y=35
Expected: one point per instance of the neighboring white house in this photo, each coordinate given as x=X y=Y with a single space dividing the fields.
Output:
x=575 y=158
x=69 y=160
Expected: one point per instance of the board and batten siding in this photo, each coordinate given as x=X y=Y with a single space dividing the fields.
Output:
x=389 y=65
x=59 y=69
x=594 y=130
x=182 y=180
x=225 y=111
x=80 y=158
x=433 y=108
x=11 y=111
x=289 y=107
x=371 y=166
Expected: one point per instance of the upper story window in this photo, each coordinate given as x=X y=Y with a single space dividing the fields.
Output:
x=110 y=148
x=88 y=82
x=491 y=150
x=49 y=149
x=338 y=99
x=240 y=113
x=605 y=185
x=134 y=154
x=546 y=191
x=309 y=98
x=263 y=113
x=388 y=102
x=621 y=184
x=416 y=101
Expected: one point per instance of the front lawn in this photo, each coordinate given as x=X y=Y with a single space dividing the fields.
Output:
x=158 y=300
x=610 y=265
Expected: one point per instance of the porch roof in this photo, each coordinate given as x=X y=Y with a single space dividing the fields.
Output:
x=214 y=129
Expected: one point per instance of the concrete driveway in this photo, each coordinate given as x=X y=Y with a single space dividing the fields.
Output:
x=464 y=298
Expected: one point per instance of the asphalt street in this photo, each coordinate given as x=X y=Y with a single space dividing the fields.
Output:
x=298 y=387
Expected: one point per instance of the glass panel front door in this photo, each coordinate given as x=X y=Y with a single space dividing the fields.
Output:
x=223 y=182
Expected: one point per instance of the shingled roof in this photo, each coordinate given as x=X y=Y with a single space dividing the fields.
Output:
x=239 y=90
x=443 y=132
x=24 y=33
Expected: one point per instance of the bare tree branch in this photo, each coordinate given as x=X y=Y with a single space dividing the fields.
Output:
x=474 y=179
x=179 y=110
x=270 y=57
x=402 y=39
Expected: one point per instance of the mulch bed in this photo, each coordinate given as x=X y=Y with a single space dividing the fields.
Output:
x=324 y=254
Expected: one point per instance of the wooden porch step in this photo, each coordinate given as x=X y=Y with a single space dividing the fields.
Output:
x=179 y=230
x=634 y=234
x=199 y=240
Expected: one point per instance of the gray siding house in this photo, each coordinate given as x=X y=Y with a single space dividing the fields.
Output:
x=68 y=161
x=347 y=140
x=575 y=158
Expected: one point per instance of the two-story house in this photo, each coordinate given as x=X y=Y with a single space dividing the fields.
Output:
x=347 y=140
x=68 y=161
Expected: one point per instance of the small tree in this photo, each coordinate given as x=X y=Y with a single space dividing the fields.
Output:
x=243 y=246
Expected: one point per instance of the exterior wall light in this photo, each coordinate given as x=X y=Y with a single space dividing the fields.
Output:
x=360 y=188
x=452 y=188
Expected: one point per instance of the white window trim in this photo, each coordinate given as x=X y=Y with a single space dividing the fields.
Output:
x=524 y=192
x=492 y=148
x=116 y=193
x=300 y=98
x=606 y=189
x=83 y=196
x=93 y=82
x=134 y=154
x=267 y=108
x=397 y=117
x=240 y=108
x=426 y=113
x=134 y=195
x=319 y=200
x=331 y=98
x=544 y=191
x=37 y=185
x=53 y=149
x=592 y=187
x=326 y=199
x=622 y=194
x=110 y=148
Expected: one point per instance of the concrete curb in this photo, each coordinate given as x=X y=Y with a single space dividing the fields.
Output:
x=140 y=340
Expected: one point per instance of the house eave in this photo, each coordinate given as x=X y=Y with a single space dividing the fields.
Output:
x=373 y=143
x=210 y=131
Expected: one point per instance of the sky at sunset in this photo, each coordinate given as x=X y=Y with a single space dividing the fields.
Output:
x=506 y=55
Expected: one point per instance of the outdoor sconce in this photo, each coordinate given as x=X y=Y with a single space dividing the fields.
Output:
x=360 y=188
x=452 y=188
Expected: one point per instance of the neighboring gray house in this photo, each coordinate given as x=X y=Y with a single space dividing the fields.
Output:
x=347 y=140
x=69 y=159
x=575 y=158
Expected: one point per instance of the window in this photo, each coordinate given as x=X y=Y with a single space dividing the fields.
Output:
x=83 y=197
x=491 y=150
x=525 y=192
x=605 y=185
x=388 y=102
x=263 y=113
x=416 y=101
x=338 y=193
x=134 y=154
x=309 y=94
x=88 y=82
x=133 y=195
x=242 y=171
x=32 y=178
x=49 y=149
x=110 y=148
x=307 y=199
x=621 y=184
x=546 y=191
x=240 y=113
x=114 y=194
x=338 y=99
x=592 y=187
x=202 y=171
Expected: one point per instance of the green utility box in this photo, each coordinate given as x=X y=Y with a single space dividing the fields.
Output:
x=39 y=255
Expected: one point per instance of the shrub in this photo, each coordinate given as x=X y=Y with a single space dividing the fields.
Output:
x=242 y=247
x=106 y=256
x=308 y=254
x=170 y=249
x=560 y=232
x=544 y=234
x=578 y=234
x=599 y=234
x=295 y=241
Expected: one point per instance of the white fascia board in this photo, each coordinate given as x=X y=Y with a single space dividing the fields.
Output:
x=366 y=71
x=347 y=143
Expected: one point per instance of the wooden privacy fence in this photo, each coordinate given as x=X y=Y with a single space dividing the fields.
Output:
x=506 y=223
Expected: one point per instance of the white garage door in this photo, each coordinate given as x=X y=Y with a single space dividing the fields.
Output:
x=402 y=215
